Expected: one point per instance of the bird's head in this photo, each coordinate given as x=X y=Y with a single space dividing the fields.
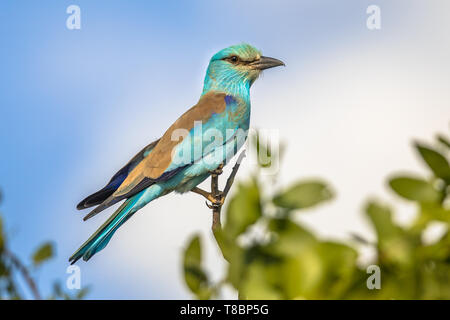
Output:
x=236 y=68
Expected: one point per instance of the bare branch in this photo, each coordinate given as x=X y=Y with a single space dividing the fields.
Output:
x=25 y=274
x=230 y=179
x=217 y=197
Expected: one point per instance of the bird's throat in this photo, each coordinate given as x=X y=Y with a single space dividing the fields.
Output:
x=239 y=89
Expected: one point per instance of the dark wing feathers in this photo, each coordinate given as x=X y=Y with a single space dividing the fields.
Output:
x=96 y=198
x=143 y=184
x=116 y=180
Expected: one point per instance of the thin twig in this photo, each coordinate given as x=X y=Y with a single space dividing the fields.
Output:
x=230 y=179
x=216 y=196
x=221 y=195
x=25 y=274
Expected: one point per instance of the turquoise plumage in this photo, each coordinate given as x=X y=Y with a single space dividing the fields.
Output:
x=203 y=138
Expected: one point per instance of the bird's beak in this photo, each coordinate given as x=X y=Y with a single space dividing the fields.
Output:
x=266 y=63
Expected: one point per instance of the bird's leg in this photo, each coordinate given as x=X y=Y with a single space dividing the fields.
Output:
x=217 y=197
x=217 y=171
x=216 y=194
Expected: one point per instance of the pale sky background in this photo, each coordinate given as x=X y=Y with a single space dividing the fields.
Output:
x=76 y=105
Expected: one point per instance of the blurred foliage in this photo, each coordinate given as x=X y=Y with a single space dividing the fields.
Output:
x=43 y=253
x=16 y=278
x=271 y=256
x=59 y=294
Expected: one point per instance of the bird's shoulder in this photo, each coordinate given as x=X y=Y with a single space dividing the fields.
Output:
x=209 y=104
x=157 y=162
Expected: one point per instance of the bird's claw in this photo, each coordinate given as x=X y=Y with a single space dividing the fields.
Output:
x=217 y=171
x=210 y=206
x=215 y=202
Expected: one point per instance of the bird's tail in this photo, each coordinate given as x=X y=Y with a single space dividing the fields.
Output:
x=101 y=237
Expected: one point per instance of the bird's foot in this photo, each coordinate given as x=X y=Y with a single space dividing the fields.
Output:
x=216 y=202
x=217 y=171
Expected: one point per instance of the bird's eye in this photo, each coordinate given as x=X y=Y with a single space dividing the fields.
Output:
x=233 y=59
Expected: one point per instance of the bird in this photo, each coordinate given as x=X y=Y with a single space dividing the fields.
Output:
x=196 y=145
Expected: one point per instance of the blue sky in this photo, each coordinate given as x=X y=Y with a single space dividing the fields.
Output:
x=77 y=104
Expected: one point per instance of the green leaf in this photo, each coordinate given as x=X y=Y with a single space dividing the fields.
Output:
x=3 y=270
x=436 y=161
x=241 y=262
x=225 y=243
x=43 y=253
x=339 y=263
x=438 y=251
x=259 y=283
x=236 y=267
x=243 y=211
x=302 y=274
x=301 y=268
x=381 y=218
x=194 y=275
x=303 y=195
x=290 y=238
x=414 y=189
x=193 y=254
x=394 y=245
x=444 y=141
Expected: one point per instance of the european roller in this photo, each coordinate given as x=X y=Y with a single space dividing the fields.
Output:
x=203 y=139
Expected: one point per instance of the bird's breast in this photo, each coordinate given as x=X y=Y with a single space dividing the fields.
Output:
x=238 y=111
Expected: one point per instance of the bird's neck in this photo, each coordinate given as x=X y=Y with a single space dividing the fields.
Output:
x=239 y=89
